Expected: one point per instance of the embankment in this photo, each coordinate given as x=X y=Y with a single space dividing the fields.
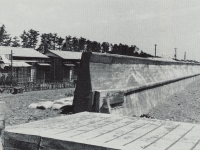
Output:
x=128 y=85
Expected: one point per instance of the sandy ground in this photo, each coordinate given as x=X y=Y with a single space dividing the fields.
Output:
x=183 y=106
x=17 y=111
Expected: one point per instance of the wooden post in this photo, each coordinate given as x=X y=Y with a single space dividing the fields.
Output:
x=155 y=50
x=44 y=76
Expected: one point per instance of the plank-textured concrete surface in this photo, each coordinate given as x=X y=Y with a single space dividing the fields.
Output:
x=102 y=131
x=139 y=102
x=2 y=121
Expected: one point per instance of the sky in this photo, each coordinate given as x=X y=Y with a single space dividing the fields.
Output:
x=167 y=23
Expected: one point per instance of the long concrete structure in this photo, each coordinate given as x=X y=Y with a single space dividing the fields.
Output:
x=128 y=85
x=2 y=121
x=96 y=131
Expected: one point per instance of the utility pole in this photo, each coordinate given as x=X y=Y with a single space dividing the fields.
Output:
x=11 y=68
x=155 y=50
x=175 y=56
x=185 y=57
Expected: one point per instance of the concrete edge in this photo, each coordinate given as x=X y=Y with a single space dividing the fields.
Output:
x=107 y=58
x=131 y=90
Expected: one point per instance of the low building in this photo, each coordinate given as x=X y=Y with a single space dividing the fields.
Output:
x=27 y=65
x=64 y=65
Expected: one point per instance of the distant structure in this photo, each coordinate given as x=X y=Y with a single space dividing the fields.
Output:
x=185 y=56
x=175 y=56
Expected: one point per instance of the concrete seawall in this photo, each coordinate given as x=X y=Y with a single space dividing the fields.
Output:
x=128 y=85
x=2 y=121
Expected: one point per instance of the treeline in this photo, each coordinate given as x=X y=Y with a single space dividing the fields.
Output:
x=52 y=41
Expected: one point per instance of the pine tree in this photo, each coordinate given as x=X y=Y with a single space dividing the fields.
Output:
x=82 y=44
x=105 y=47
x=33 y=38
x=75 y=44
x=5 y=39
x=59 y=42
x=24 y=38
x=88 y=46
x=95 y=46
x=15 y=42
x=29 y=39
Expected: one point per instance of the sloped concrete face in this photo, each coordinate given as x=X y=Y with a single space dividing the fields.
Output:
x=2 y=121
x=139 y=79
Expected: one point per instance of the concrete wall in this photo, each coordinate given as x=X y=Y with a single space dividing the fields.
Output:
x=130 y=85
x=2 y=122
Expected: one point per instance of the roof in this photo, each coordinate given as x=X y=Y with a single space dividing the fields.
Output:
x=66 y=54
x=20 y=64
x=21 y=52
x=69 y=65
x=14 y=64
x=43 y=64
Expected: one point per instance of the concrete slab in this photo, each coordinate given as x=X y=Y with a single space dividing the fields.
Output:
x=102 y=131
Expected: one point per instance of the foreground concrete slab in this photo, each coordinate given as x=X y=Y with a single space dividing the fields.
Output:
x=98 y=131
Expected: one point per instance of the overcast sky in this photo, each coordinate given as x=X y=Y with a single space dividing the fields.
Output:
x=167 y=23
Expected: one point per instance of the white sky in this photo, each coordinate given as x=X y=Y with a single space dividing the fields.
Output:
x=167 y=23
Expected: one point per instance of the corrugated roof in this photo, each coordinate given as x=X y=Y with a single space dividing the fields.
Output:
x=67 y=54
x=21 y=52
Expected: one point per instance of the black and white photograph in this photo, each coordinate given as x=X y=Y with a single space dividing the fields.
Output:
x=99 y=75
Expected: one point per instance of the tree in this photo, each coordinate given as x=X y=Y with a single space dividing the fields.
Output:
x=15 y=42
x=120 y=46
x=50 y=41
x=131 y=50
x=24 y=38
x=82 y=44
x=33 y=35
x=124 y=49
x=29 y=39
x=43 y=44
x=105 y=47
x=67 y=46
x=75 y=44
x=88 y=46
x=115 y=49
x=95 y=46
x=110 y=48
x=5 y=39
x=59 y=43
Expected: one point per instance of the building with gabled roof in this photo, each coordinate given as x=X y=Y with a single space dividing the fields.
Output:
x=28 y=65
x=19 y=52
x=70 y=55
x=64 y=65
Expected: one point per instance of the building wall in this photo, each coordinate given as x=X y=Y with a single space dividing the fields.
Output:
x=20 y=75
x=61 y=73
x=37 y=74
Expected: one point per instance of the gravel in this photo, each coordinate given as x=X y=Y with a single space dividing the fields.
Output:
x=17 y=111
x=183 y=106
